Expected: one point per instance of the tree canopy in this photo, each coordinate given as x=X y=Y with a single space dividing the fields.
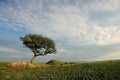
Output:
x=39 y=44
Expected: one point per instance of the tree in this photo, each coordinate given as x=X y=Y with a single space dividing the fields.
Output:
x=39 y=45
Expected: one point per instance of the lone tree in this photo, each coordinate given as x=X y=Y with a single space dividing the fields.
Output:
x=39 y=45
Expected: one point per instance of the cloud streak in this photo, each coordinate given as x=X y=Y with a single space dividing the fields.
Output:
x=62 y=19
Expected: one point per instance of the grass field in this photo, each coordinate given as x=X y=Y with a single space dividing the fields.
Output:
x=2 y=64
x=108 y=70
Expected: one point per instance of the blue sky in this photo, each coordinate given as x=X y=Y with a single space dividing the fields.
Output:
x=83 y=30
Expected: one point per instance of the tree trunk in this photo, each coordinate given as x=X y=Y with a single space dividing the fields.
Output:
x=33 y=58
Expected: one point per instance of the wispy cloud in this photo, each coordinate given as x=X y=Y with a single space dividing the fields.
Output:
x=62 y=19
x=108 y=56
x=11 y=54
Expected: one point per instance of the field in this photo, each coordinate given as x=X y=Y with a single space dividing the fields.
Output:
x=108 y=70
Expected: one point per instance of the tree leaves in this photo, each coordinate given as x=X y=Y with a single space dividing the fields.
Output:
x=36 y=42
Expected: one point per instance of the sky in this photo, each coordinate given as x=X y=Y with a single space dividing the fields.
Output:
x=83 y=30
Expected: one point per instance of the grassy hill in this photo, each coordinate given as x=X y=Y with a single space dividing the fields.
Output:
x=3 y=64
x=105 y=70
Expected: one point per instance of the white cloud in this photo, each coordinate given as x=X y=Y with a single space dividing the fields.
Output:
x=104 y=5
x=106 y=35
x=114 y=20
x=61 y=21
x=108 y=56
x=10 y=50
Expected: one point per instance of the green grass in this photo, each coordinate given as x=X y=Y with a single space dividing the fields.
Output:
x=3 y=64
x=83 y=71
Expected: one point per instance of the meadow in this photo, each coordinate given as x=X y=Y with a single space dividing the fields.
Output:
x=107 y=70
